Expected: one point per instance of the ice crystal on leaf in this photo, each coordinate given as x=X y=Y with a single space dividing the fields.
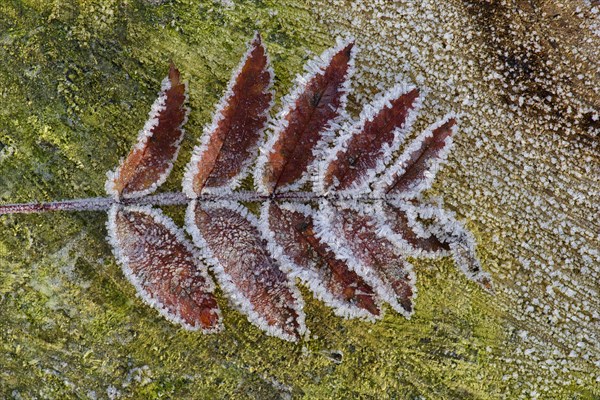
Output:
x=341 y=208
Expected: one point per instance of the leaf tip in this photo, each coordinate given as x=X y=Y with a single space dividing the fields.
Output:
x=256 y=39
x=173 y=71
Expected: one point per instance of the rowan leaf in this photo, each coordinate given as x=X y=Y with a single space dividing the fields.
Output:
x=364 y=149
x=163 y=266
x=150 y=161
x=305 y=126
x=350 y=251
x=414 y=171
x=231 y=241
x=292 y=241
x=352 y=233
x=229 y=144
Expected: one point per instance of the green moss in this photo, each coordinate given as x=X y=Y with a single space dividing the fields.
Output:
x=76 y=82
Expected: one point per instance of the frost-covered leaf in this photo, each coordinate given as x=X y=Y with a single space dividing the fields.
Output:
x=292 y=241
x=351 y=230
x=231 y=241
x=364 y=149
x=443 y=225
x=230 y=143
x=351 y=251
x=151 y=159
x=414 y=171
x=163 y=266
x=408 y=235
x=309 y=115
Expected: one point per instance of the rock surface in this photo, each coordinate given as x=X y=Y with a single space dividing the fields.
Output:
x=76 y=81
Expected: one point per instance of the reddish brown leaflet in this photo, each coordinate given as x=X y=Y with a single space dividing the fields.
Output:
x=150 y=161
x=366 y=146
x=163 y=267
x=231 y=242
x=418 y=160
x=309 y=112
x=379 y=255
x=229 y=143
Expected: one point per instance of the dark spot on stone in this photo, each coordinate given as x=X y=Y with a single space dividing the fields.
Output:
x=335 y=356
x=534 y=71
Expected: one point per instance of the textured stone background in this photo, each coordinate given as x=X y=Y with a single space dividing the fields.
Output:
x=77 y=79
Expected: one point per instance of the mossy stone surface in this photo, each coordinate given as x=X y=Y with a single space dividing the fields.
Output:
x=77 y=79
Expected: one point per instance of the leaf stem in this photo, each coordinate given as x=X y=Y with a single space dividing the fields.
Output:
x=161 y=199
